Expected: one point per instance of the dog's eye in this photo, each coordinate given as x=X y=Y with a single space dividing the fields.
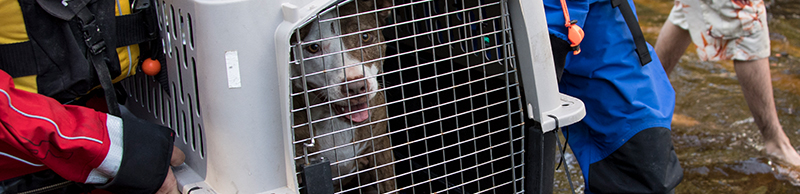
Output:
x=314 y=48
x=366 y=37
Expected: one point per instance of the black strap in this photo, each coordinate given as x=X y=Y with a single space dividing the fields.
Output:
x=636 y=31
x=18 y=59
x=105 y=82
x=137 y=27
x=130 y=30
x=95 y=47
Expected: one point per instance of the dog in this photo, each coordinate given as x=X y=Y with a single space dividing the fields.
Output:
x=344 y=93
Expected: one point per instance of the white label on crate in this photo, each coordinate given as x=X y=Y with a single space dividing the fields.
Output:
x=232 y=65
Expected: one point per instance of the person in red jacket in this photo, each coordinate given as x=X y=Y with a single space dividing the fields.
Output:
x=44 y=144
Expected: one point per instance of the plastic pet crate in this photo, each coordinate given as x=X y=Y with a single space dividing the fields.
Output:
x=465 y=88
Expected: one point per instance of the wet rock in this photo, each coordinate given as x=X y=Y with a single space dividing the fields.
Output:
x=751 y=167
x=700 y=170
x=759 y=190
x=777 y=37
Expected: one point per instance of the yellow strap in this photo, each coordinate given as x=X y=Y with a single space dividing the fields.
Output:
x=128 y=55
x=13 y=27
x=27 y=83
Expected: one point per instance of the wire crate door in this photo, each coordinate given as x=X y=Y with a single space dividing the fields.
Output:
x=408 y=96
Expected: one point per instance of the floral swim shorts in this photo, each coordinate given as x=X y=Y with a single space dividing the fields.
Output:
x=724 y=29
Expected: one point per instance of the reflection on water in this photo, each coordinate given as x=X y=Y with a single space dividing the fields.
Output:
x=716 y=140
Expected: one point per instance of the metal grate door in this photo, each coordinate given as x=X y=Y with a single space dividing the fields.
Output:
x=443 y=111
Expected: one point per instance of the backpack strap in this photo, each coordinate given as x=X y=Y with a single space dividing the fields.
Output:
x=96 y=45
x=139 y=26
x=636 y=31
x=18 y=59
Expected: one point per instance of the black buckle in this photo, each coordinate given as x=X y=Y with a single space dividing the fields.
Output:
x=92 y=38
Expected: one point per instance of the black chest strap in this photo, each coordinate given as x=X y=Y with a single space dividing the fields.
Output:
x=18 y=59
x=636 y=31
x=96 y=45
x=139 y=26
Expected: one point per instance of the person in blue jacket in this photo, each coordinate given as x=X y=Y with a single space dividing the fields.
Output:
x=623 y=145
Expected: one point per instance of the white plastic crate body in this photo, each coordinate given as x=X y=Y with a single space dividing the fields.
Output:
x=220 y=60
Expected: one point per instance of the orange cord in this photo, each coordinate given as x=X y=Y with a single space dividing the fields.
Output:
x=566 y=13
x=575 y=33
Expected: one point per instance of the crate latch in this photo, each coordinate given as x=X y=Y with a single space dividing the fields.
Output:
x=317 y=177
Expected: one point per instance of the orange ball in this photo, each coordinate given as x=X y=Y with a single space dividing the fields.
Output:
x=151 y=67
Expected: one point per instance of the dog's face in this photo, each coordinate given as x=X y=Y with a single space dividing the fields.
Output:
x=341 y=59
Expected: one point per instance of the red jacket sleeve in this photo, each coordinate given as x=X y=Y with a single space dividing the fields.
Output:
x=38 y=133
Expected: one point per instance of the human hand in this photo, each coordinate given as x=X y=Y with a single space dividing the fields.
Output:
x=177 y=157
x=170 y=185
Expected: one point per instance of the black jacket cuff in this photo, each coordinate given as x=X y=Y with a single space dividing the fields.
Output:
x=146 y=153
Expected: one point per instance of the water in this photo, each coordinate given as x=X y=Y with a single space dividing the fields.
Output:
x=717 y=142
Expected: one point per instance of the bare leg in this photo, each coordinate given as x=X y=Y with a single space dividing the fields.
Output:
x=671 y=44
x=756 y=82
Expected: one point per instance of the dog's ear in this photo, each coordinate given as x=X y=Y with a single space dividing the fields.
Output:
x=294 y=39
x=383 y=15
x=303 y=33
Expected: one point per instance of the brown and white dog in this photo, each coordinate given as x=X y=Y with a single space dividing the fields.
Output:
x=341 y=75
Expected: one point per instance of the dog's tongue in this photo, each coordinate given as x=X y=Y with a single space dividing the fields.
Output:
x=357 y=113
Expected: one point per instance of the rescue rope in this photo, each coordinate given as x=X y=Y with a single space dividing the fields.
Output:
x=563 y=150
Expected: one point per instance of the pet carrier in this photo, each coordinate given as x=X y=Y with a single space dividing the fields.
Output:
x=357 y=96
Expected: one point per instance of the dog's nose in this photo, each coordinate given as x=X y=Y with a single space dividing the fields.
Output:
x=355 y=88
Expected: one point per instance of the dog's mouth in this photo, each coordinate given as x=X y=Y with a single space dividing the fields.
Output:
x=355 y=112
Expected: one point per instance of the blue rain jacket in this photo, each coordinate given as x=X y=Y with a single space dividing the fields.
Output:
x=622 y=97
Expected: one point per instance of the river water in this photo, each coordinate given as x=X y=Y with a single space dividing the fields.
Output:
x=717 y=142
